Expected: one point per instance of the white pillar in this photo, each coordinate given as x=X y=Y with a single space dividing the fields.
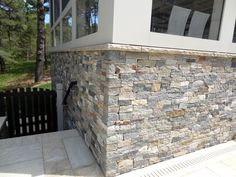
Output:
x=216 y=19
x=60 y=121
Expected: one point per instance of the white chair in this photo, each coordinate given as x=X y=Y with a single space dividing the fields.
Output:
x=178 y=20
x=198 y=24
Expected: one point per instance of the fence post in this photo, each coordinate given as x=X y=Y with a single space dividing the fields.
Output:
x=60 y=121
x=2 y=106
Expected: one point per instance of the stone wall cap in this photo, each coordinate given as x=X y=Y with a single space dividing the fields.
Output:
x=148 y=49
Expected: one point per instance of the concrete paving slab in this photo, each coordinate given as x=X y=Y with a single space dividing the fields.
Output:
x=221 y=169
x=69 y=134
x=230 y=162
x=92 y=170
x=204 y=172
x=23 y=169
x=18 y=154
x=20 y=141
x=78 y=153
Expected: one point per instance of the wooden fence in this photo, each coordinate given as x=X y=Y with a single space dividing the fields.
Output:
x=29 y=111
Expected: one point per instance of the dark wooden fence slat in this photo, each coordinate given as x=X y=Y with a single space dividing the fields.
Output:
x=16 y=112
x=42 y=109
x=10 y=119
x=23 y=111
x=30 y=110
x=2 y=105
x=36 y=110
x=54 y=111
x=22 y=106
x=48 y=110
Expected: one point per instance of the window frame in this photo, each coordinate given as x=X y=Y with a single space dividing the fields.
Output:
x=78 y=35
x=71 y=5
x=234 y=35
x=123 y=33
x=69 y=11
x=189 y=13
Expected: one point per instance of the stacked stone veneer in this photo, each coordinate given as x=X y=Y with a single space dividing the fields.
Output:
x=136 y=109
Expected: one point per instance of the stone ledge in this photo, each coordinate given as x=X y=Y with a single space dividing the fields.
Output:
x=147 y=49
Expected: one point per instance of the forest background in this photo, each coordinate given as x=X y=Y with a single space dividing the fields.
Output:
x=19 y=32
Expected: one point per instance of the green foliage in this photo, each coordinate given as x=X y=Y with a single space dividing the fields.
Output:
x=45 y=86
x=21 y=74
x=11 y=23
x=7 y=57
x=17 y=75
x=18 y=28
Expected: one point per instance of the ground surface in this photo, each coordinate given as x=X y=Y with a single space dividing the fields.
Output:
x=47 y=155
x=64 y=154
x=21 y=74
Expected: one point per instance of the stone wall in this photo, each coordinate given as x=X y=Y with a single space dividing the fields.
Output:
x=137 y=109
x=86 y=109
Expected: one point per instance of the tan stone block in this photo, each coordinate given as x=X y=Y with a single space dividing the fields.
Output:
x=125 y=143
x=127 y=96
x=142 y=102
x=183 y=152
x=122 y=122
x=154 y=160
x=176 y=113
x=124 y=109
x=125 y=163
x=156 y=86
x=113 y=109
x=126 y=89
x=160 y=104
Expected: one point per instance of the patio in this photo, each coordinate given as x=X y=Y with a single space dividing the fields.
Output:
x=65 y=154
x=47 y=155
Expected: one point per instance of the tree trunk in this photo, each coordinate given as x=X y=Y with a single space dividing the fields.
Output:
x=40 y=41
x=9 y=31
x=45 y=53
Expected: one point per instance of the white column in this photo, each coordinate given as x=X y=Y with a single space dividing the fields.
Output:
x=228 y=22
x=60 y=120
x=74 y=13
x=216 y=19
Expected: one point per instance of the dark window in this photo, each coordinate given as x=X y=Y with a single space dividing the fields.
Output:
x=194 y=18
x=52 y=39
x=51 y=12
x=56 y=9
x=234 y=39
x=87 y=17
x=64 y=3
x=67 y=27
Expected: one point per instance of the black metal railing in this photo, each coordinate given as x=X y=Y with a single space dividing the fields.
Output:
x=72 y=84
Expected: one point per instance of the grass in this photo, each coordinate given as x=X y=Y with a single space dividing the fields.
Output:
x=21 y=74
x=47 y=85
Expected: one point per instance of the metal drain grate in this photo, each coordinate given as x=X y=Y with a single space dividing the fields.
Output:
x=180 y=163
